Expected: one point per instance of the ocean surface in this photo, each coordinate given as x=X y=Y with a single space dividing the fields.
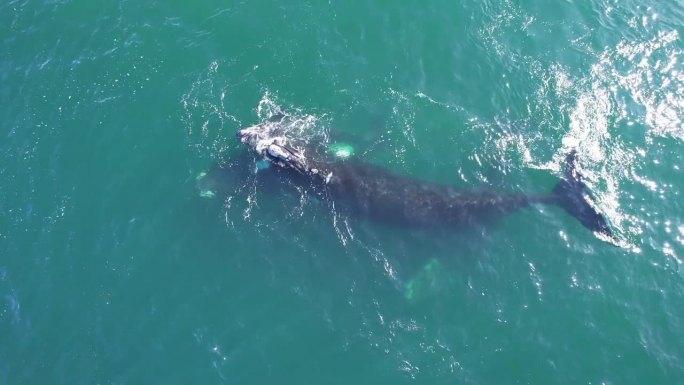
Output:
x=116 y=269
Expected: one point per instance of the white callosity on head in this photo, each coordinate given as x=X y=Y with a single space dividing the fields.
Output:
x=279 y=152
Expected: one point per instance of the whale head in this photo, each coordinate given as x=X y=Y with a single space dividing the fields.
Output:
x=258 y=135
x=269 y=141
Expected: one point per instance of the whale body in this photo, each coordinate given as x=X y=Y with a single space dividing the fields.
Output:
x=388 y=197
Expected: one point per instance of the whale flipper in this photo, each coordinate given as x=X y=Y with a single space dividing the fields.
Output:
x=573 y=196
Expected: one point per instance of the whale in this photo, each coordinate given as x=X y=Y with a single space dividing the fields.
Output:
x=386 y=196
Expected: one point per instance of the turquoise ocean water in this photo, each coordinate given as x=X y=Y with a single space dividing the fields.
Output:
x=114 y=270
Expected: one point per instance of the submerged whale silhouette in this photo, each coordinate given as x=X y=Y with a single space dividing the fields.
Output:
x=389 y=197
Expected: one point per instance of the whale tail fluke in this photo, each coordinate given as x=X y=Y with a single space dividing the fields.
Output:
x=573 y=196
